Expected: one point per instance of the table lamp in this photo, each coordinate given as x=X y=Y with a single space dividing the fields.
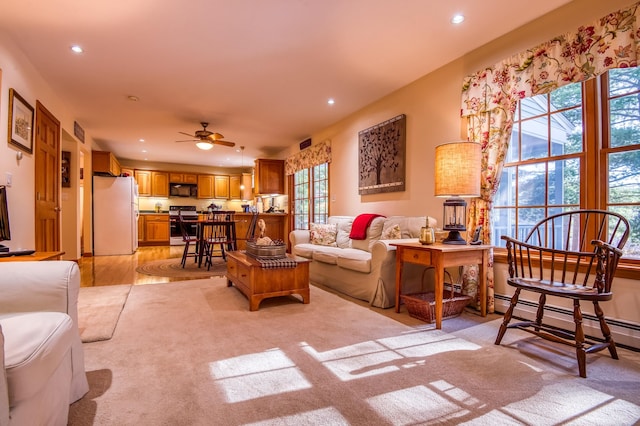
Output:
x=457 y=175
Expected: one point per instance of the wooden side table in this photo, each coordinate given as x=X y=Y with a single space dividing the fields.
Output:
x=39 y=255
x=442 y=256
x=258 y=283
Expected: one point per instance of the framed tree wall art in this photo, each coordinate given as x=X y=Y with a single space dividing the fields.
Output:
x=381 y=157
x=20 y=122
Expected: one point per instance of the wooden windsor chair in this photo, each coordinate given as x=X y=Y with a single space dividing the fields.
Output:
x=189 y=241
x=220 y=235
x=571 y=255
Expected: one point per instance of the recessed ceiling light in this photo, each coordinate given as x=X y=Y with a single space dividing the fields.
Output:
x=133 y=98
x=457 y=19
x=144 y=150
x=76 y=49
x=140 y=140
x=331 y=101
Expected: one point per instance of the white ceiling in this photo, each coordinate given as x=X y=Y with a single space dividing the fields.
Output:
x=259 y=71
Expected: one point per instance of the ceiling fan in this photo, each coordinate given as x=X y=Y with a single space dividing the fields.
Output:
x=205 y=139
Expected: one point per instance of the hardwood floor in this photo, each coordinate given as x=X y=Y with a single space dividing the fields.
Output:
x=113 y=270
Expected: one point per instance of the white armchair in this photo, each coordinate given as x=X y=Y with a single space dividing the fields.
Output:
x=43 y=369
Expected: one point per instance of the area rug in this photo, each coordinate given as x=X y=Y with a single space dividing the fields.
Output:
x=191 y=353
x=99 y=310
x=172 y=268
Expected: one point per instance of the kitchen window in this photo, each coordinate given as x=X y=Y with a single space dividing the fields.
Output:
x=576 y=147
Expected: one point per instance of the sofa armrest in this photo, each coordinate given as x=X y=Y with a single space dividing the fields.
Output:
x=299 y=236
x=46 y=286
x=40 y=287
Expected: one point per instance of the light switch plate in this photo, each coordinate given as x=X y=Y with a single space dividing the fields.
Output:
x=9 y=179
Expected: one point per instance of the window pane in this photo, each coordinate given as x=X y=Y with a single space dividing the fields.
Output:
x=513 y=152
x=623 y=81
x=566 y=132
x=566 y=97
x=536 y=105
x=624 y=177
x=632 y=214
x=531 y=185
x=503 y=223
x=534 y=139
x=564 y=182
x=527 y=218
x=625 y=122
x=506 y=195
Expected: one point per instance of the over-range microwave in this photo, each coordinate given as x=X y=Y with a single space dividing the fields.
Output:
x=183 y=190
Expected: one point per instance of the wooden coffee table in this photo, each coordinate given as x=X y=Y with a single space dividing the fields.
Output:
x=258 y=283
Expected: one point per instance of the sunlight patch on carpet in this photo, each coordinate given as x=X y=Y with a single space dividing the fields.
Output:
x=387 y=355
x=257 y=375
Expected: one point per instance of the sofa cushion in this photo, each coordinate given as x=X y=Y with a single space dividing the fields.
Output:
x=373 y=234
x=409 y=225
x=324 y=234
x=356 y=260
x=304 y=250
x=342 y=238
x=35 y=345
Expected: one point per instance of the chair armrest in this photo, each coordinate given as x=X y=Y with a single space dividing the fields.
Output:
x=607 y=246
x=39 y=287
x=299 y=236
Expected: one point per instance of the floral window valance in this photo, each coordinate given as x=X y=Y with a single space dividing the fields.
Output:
x=314 y=155
x=611 y=42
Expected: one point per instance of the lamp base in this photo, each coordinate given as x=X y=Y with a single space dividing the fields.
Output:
x=454 y=237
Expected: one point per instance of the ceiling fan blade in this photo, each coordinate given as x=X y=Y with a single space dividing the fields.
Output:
x=187 y=134
x=224 y=143
x=190 y=140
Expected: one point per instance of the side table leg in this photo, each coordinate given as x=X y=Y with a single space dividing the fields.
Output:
x=398 y=276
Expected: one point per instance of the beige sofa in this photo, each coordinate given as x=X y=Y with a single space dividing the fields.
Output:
x=43 y=370
x=364 y=269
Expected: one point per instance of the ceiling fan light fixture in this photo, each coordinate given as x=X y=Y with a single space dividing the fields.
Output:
x=205 y=146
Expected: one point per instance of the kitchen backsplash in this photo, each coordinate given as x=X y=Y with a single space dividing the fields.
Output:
x=149 y=203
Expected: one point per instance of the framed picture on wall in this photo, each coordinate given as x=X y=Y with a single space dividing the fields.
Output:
x=65 y=164
x=20 y=122
x=381 y=157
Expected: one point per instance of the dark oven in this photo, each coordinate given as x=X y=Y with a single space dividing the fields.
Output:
x=188 y=213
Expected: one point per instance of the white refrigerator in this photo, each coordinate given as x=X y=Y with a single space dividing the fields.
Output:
x=115 y=215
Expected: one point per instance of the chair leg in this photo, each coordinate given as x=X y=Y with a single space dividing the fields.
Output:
x=540 y=312
x=581 y=353
x=606 y=332
x=507 y=316
x=184 y=254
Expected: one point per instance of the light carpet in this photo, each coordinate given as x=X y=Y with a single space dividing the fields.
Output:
x=172 y=268
x=191 y=353
x=99 y=310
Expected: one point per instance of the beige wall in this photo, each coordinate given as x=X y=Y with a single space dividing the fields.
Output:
x=432 y=107
x=18 y=73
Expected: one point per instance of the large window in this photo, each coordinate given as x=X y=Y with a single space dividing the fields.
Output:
x=576 y=147
x=311 y=196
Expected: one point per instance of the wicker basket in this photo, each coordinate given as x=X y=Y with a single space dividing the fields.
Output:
x=266 y=251
x=422 y=305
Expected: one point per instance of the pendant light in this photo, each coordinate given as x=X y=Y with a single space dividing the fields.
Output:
x=242 y=166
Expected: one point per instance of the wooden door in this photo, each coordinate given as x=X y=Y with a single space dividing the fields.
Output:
x=47 y=180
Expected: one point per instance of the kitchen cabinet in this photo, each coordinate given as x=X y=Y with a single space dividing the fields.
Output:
x=234 y=187
x=156 y=229
x=269 y=177
x=141 y=228
x=236 y=192
x=183 y=178
x=152 y=184
x=205 y=186
x=160 y=184
x=143 y=179
x=126 y=171
x=105 y=163
x=221 y=187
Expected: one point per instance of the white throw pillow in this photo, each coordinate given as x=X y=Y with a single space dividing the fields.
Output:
x=392 y=233
x=323 y=234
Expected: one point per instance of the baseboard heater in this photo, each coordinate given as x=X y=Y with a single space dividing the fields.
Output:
x=625 y=334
